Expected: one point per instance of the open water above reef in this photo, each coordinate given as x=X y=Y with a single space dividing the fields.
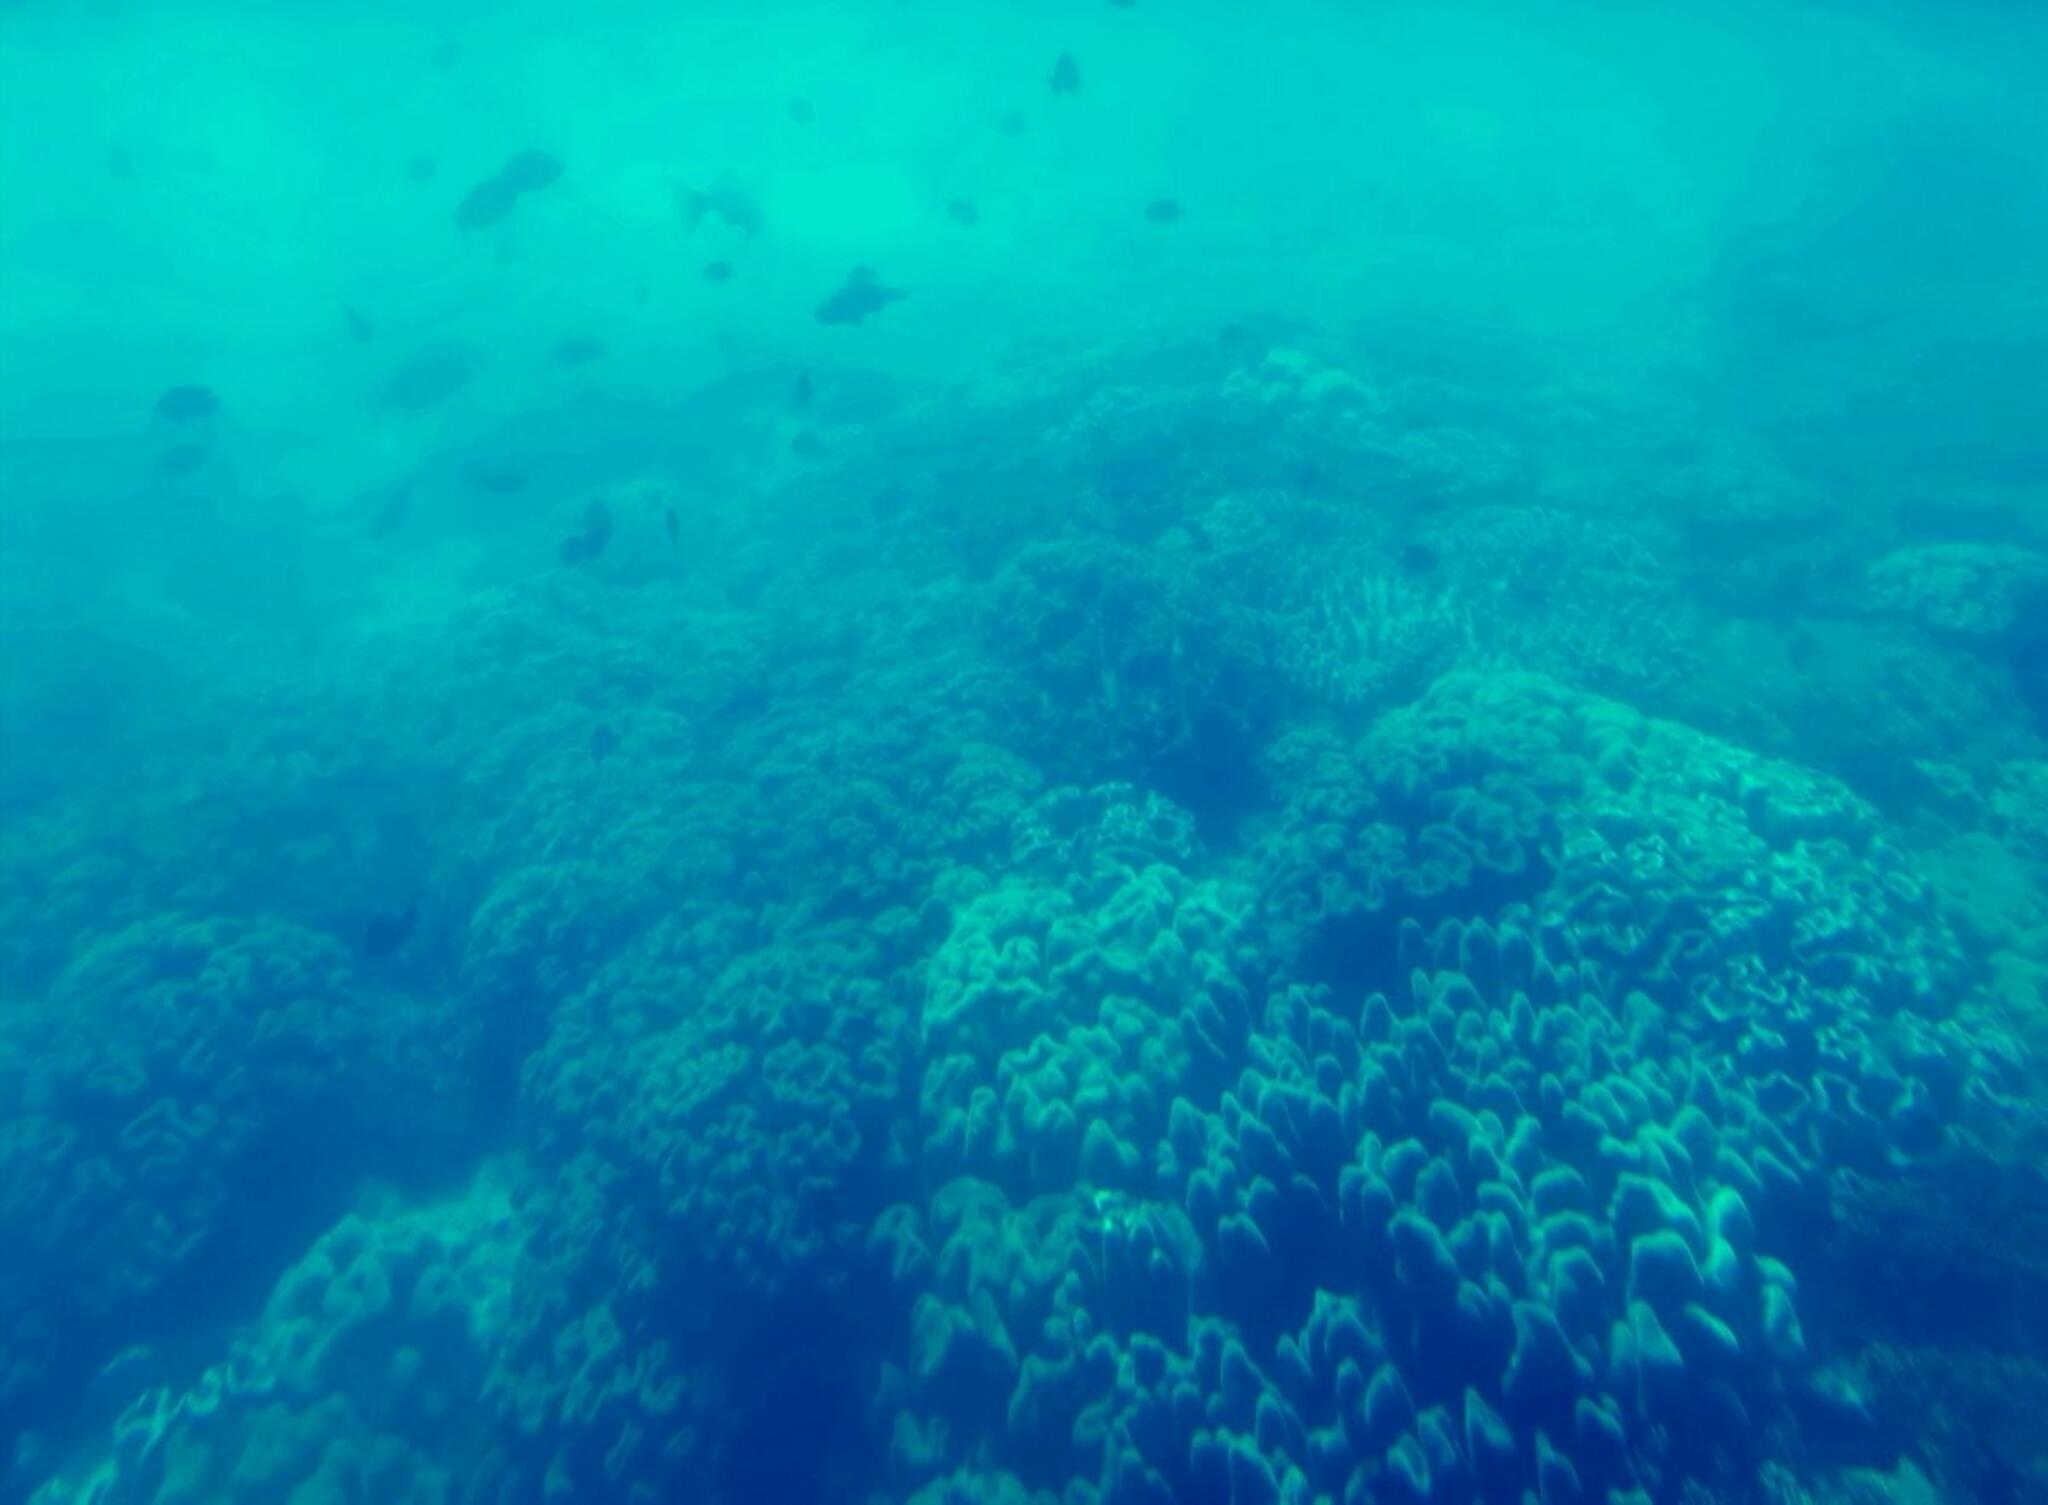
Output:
x=1093 y=752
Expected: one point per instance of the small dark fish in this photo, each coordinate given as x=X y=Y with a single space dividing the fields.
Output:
x=421 y=169
x=497 y=479
x=577 y=350
x=603 y=742
x=963 y=213
x=801 y=112
x=674 y=525
x=531 y=170
x=392 y=511
x=1420 y=559
x=738 y=208
x=802 y=394
x=718 y=271
x=1012 y=123
x=1066 y=75
x=180 y=460
x=187 y=404
x=120 y=164
x=496 y=196
x=446 y=54
x=427 y=380
x=360 y=329
x=1163 y=211
x=589 y=541
x=384 y=933
x=859 y=297
x=486 y=204
x=807 y=446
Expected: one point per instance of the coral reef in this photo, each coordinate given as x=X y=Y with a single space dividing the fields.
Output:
x=190 y=1097
x=1968 y=590
x=1223 y=935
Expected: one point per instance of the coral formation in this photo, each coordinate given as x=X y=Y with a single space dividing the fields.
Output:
x=1255 y=972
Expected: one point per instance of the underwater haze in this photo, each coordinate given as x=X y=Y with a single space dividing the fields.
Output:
x=1023 y=752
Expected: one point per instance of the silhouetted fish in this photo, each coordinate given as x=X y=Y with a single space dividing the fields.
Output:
x=718 y=271
x=1012 y=123
x=589 y=541
x=531 y=170
x=180 y=460
x=427 y=380
x=1163 y=211
x=360 y=329
x=120 y=164
x=496 y=196
x=859 y=297
x=446 y=54
x=577 y=350
x=738 y=208
x=492 y=476
x=963 y=213
x=421 y=169
x=486 y=203
x=1066 y=75
x=385 y=932
x=807 y=446
x=801 y=112
x=603 y=742
x=187 y=404
x=1420 y=559
x=674 y=525
x=802 y=393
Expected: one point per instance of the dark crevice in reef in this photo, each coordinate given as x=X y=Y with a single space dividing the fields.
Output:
x=1213 y=772
x=516 y=1028
x=1355 y=952
x=2029 y=655
x=1939 y=1286
x=291 y=1185
x=801 y=1381
x=1351 y=954
x=1956 y=1254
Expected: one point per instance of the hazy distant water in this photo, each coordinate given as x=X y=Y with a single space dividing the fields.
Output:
x=1089 y=751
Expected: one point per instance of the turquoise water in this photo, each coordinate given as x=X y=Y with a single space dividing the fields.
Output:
x=1059 y=753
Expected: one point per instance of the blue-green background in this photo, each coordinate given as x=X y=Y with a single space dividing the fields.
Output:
x=1353 y=807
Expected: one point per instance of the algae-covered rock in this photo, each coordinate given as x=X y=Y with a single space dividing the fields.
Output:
x=1973 y=590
